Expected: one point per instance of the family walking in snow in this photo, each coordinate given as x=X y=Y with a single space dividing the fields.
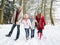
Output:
x=29 y=23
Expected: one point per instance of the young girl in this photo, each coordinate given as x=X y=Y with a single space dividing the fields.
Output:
x=27 y=24
x=41 y=22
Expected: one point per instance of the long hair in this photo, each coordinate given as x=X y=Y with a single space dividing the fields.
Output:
x=39 y=15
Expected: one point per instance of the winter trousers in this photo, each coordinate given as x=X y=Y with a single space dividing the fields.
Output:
x=18 y=30
x=40 y=33
x=32 y=33
x=27 y=32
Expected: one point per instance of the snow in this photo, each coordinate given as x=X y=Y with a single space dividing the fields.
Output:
x=51 y=36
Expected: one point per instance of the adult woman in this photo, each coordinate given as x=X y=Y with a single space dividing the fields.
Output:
x=16 y=20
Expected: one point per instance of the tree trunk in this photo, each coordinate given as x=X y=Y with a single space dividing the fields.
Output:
x=20 y=2
x=45 y=8
x=13 y=5
x=1 y=15
x=51 y=17
x=2 y=12
x=24 y=6
x=42 y=5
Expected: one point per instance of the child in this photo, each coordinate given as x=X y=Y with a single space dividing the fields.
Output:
x=33 y=25
x=27 y=24
x=41 y=23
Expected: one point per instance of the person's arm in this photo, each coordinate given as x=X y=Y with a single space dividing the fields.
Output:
x=20 y=18
x=36 y=22
x=30 y=26
x=44 y=21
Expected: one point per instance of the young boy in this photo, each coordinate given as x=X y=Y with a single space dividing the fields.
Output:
x=33 y=25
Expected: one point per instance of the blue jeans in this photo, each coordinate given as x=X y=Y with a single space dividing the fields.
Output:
x=18 y=30
x=27 y=32
x=32 y=33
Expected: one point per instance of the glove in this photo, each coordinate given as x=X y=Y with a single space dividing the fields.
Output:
x=17 y=23
x=44 y=24
x=29 y=27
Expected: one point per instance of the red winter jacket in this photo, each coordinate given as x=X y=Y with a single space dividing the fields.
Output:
x=41 y=22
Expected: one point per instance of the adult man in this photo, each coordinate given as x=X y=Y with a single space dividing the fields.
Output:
x=16 y=20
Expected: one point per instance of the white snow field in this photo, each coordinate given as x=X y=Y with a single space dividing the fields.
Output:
x=51 y=36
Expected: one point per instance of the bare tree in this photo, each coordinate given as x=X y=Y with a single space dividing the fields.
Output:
x=13 y=5
x=2 y=12
x=51 y=17
x=24 y=6
x=42 y=5
x=45 y=1
x=20 y=2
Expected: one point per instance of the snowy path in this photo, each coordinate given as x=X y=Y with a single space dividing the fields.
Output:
x=51 y=36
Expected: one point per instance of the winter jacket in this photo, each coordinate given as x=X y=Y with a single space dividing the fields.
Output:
x=27 y=24
x=41 y=22
x=33 y=24
x=19 y=19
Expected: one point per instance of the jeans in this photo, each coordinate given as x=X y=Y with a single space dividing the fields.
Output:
x=32 y=33
x=27 y=32
x=18 y=30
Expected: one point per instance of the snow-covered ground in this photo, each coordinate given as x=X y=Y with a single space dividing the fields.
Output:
x=51 y=36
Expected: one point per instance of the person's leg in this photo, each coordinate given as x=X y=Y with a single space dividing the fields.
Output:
x=40 y=34
x=32 y=33
x=11 y=30
x=18 y=32
x=27 y=33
